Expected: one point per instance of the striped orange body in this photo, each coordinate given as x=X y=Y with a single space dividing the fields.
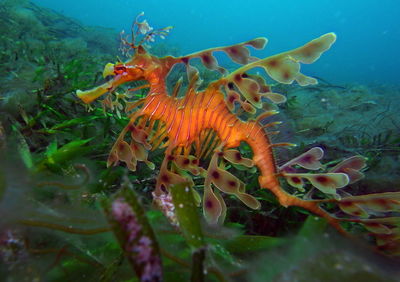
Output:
x=186 y=117
x=207 y=123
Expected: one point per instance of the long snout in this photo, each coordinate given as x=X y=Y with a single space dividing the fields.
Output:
x=89 y=96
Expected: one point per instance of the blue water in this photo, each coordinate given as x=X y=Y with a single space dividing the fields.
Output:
x=367 y=49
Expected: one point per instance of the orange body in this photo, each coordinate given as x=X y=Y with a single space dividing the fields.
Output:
x=208 y=125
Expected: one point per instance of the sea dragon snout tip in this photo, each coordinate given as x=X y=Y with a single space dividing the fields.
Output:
x=90 y=95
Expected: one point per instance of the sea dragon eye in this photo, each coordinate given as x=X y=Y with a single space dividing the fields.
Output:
x=119 y=69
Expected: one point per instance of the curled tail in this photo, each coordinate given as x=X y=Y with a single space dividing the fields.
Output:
x=263 y=158
x=378 y=213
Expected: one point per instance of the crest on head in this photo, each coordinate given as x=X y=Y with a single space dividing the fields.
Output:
x=141 y=34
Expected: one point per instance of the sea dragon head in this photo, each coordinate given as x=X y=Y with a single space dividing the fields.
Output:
x=141 y=66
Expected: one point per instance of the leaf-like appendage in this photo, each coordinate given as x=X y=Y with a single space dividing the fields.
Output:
x=283 y=68
x=189 y=163
x=168 y=178
x=235 y=157
x=225 y=181
x=249 y=88
x=237 y=52
x=221 y=218
x=212 y=208
x=209 y=61
x=296 y=182
x=308 y=160
x=112 y=159
x=139 y=135
x=386 y=230
x=352 y=208
x=126 y=155
x=264 y=87
x=377 y=228
x=141 y=154
x=240 y=54
x=247 y=107
x=275 y=98
x=325 y=182
x=229 y=184
x=378 y=202
x=311 y=51
x=384 y=223
x=231 y=98
x=351 y=167
x=389 y=243
x=249 y=200
x=328 y=182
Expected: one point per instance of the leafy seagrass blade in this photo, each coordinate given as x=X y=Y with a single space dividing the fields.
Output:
x=134 y=233
x=189 y=223
x=67 y=152
x=187 y=214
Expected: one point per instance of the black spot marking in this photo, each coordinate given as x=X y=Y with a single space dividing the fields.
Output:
x=206 y=59
x=165 y=178
x=322 y=179
x=296 y=180
x=238 y=157
x=233 y=50
x=215 y=174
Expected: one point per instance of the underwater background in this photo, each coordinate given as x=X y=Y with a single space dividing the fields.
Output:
x=368 y=37
x=56 y=191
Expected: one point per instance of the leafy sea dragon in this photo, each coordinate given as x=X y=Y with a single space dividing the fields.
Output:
x=209 y=125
